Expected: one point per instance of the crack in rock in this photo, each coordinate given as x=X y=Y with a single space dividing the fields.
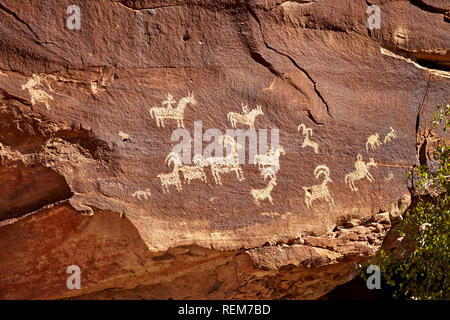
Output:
x=255 y=16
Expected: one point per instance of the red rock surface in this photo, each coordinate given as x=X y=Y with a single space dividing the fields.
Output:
x=77 y=137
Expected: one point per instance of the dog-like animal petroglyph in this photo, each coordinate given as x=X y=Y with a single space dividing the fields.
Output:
x=265 y=193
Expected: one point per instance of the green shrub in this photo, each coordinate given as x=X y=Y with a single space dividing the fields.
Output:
x=422 y=269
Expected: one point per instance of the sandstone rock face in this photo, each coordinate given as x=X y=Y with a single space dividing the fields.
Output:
x=88 y=116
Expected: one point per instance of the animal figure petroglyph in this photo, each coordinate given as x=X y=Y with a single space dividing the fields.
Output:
x=307 y=132
x=217 y=169
x=124 y=136
x=172 y=178
x=269 y=163
x=319 y=191
x=246 y=117
x=361 y=172
x=229 y=163
x=265 y=193
x=161 y=113
x=196 y=171
x=37 y=95
x=373 y=141
x=390 y=136
x=142 y=194
x=174 y=158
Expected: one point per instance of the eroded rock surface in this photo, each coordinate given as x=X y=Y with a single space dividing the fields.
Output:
x=86 y=119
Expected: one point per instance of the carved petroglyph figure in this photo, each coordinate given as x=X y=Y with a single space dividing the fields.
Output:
x=246 y=117
x=373 y=141
x=269 y=159
x=37 y=95
x=307 y=133
x=172 y=178
x=142 y=195
x=217 y=169
x=271 y=86
x=319 y=191
x=269 y=163
x=390 y=136
x=265 y=193
x=161 y=113
x=229 y=163
x=389 y=177
x=174 y=158
x=124 y=136
x=361 y=172
x=196 y=171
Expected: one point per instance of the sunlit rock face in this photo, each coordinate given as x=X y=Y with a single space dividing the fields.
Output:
x=95 y=101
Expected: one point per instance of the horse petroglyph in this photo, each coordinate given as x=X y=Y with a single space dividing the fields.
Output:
x=269 y=163
x=390 y=136
x=246 y=117
x=307 y=132
x=373 y=141
x=319 y=191
x=37 y=95
x=229 y=163
x=361 y=172
x=161 y=113
x=265 y=193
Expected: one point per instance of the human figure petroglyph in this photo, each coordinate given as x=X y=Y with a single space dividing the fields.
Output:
x=246 y=117
x=161 y=113
x=319 y=191
x=361 y=172
x=269 y=163
x=142 y=195
x=373 y=141
x=307 y=142
x=37 y=95
x=265 y=193
x=390 y=136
